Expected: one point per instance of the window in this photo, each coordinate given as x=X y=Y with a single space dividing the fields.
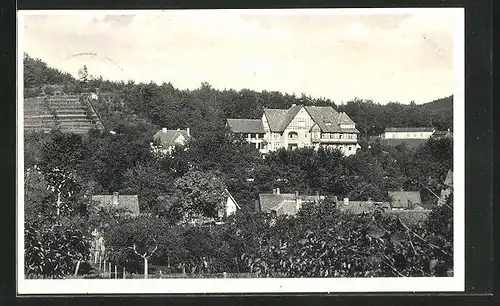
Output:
x=340 y=136
x=293 y=135
x=301 y=121
x=349 y=148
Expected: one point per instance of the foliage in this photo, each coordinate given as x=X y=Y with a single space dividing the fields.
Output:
x=200 y=193
x=51 y=250
x=325 y=242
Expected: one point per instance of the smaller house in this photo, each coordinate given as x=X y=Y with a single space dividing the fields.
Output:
x=360 y=207
x=404 y=200
x=230 y=206
x=289 y=204
x=128 y=203
x=252 y=130
x=169 y=139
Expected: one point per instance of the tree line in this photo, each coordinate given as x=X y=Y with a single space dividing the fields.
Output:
x=205 y=109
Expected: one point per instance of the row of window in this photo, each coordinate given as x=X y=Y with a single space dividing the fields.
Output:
x=295 y=135
x=336 y=136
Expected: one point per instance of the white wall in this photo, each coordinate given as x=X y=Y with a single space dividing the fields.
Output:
x=407 y=135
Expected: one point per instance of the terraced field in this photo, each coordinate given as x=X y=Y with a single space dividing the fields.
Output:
x=65 y=113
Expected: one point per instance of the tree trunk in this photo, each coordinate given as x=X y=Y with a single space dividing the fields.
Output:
x=145 y=267
x=58 y=204
x=77 y=267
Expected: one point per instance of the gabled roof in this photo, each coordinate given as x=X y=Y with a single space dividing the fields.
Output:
x=326 y=117
x=268 y=202
x=287 y=207
x=231 y=197
x=290 y=114
x=129 y=203
x=168 y=138
x=275 y=117
x=409 y=129
x=271 y=202
x=246 y=126
x=402 y=199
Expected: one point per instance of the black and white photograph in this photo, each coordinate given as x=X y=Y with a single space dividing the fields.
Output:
x=240 y=151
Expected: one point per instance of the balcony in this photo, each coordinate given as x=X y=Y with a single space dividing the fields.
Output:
x=334 y=140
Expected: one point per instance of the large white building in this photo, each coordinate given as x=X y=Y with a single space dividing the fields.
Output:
x=299 y=127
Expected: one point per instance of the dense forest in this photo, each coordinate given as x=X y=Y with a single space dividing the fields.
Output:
x=77 y=166
x=205 y=109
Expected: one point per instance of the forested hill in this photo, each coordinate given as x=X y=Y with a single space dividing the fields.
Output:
x=205 y=109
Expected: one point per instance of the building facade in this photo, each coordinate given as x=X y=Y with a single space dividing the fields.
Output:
x=301 y=127
x=408 y=133
x=251 y=130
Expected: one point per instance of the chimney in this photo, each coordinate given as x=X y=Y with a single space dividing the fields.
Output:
x=178 y=129
x=97 y=91
x=370 y=201
x=317 y=194
x=188 y=131
x=274 y=190
x=115 y=198
x=164 y=130
x=335 y=199
x=277 y=191
x=346 y=201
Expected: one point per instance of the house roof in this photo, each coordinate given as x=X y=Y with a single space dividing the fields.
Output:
x=401 y=199
x=449 y=179
x=326 y=118
x=271 y=202
x=168 y=138
x=230 y=196
x=409 y=129
x=246 y=125
x=358 y=207
x=275 y=117
x=287 y=207
x=129 y=203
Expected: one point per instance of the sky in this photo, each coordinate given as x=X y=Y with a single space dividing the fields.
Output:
x=340 y=55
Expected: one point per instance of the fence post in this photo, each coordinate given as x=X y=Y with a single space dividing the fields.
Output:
x=123 y=272
x=104 y=266
x=110 y=271
x=116 y=273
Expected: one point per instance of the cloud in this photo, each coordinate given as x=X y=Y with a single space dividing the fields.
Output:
x=387 y=57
